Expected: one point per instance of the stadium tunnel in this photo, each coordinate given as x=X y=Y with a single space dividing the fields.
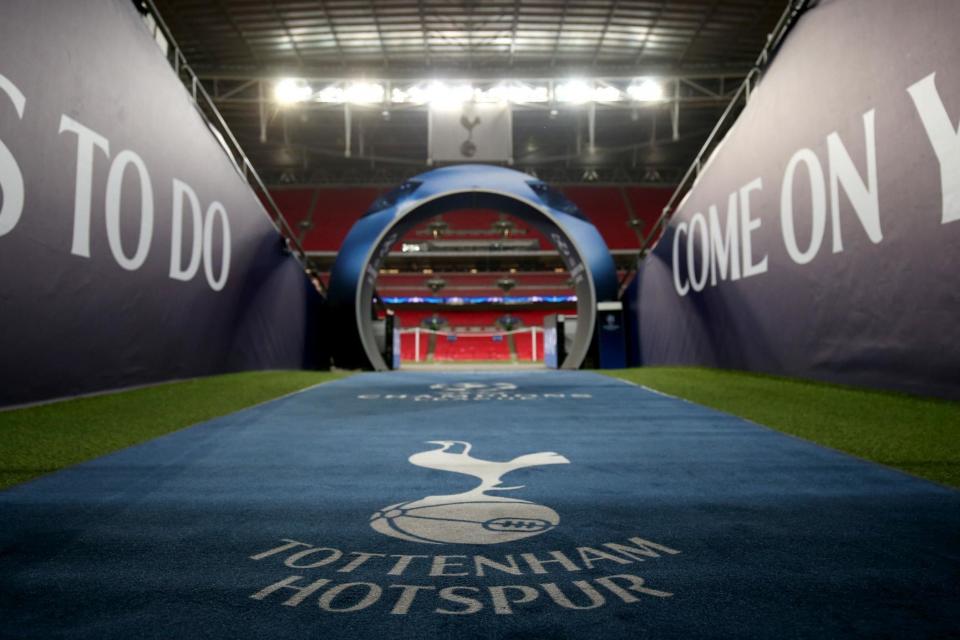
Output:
x=580 y=245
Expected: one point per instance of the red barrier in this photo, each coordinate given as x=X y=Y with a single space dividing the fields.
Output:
x=337 y=208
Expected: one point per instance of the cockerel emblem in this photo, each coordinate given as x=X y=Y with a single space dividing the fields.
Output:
x=477 y=516
x=468 y=148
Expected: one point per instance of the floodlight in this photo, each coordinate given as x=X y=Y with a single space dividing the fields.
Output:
x=292 y=90
x=364 y=93
x=605 y=93
x=332 y=94
x=514 y=92
x=399 y=95
x=443 y=96
x=573 y=91
x=497 y=93
x=646 y=90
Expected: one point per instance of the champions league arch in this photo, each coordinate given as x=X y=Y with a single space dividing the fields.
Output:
x=582 y=249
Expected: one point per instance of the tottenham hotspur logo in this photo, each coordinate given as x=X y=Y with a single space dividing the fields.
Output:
x=473 y=517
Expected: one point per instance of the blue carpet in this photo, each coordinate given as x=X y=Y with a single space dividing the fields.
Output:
x=637 y=516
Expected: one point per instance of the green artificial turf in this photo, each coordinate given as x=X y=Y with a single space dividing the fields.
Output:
x=918 y=435
x=46 y=438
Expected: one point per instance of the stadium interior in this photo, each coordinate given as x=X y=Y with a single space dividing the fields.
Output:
x=368 y=73
x=513 y=319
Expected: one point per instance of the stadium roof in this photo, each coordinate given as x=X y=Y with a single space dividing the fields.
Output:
x=336 y=36
x=699 y=49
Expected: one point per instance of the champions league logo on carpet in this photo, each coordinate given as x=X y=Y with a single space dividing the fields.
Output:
x=475 y=516
x=473 y=392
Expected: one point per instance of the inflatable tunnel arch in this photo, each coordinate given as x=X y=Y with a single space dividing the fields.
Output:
x=354 y=275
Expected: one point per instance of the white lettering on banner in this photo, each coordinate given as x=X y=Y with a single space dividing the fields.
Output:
x=747 y=226
x=698 y=282
x=87 y=139
x=684 y=287
x=719 y=249
x=865 y=198
x=114 y=192
x=724 y=247
x=945 y=139
x=214 y=211
x=862 y=189
x=11 y=179
x=182 y=190
x=818 y=206
x=204 y=227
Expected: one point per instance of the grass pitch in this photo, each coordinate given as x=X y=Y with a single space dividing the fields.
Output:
x=47 y=438
x=917 y=435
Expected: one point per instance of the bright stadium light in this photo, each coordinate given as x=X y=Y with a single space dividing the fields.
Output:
x=442 y=96
x=497 y=93
x=292 y=90
x=364 y=93
x=332 y=94
x=410 y=95
x=646 y=90
x=581 y=91
x=513 y=92
x=606 y=93
x=573 y=92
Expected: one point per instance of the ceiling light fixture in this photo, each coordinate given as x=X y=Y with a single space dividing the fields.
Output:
x=606 y=93
x=292 y=90
x=646 y=90
x=443 y=96
x=572 y=92
x=364 y=93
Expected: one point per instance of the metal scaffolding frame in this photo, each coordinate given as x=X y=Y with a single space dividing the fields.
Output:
x=740 y=98
x=699 y=92
x=208 y=109
x=703 y=48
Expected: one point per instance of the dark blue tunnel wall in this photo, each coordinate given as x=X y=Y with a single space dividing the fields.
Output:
x=839 y=188
x=100 y=288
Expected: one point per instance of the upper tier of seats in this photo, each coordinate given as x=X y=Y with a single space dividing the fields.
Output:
x=460 y=320
x=477 y=224
x=323 y=215
x=463 y=285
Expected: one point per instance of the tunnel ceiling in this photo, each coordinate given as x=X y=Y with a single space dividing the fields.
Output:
x=237 y=44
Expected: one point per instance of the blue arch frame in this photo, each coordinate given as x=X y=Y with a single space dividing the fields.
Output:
x=354 y=274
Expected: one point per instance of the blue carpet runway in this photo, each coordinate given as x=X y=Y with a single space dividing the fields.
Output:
x=486 y=505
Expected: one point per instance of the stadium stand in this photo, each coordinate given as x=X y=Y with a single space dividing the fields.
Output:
x=323 y=215
x=335 y=210
x=480 y=284
x=480 y=320
x=471 y=335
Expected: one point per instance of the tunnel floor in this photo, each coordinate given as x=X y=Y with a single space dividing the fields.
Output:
x=500 y=504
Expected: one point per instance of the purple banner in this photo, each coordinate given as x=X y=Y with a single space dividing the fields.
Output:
x=821 y=238
x=131 y=250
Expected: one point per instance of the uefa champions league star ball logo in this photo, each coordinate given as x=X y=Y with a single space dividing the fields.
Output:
x=472 y=517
